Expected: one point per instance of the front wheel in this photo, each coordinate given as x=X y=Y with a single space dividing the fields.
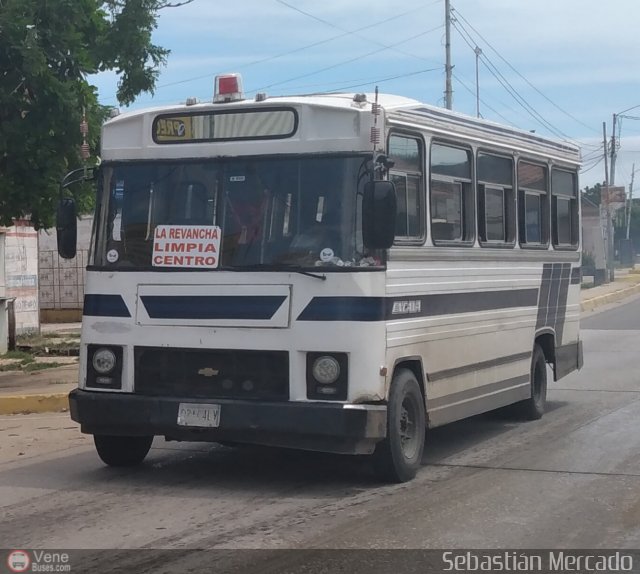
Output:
x=122 y=450
x=398 y=457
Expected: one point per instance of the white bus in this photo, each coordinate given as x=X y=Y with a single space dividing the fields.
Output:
x=321 y=272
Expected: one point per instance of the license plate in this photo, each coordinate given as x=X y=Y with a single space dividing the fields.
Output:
x=195 y=415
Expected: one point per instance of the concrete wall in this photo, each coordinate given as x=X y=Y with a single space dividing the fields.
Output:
x=593 y=241
x=21 y=274
x=62 y=280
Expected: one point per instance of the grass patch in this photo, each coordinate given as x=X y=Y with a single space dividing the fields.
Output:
x=19 y=355
x=40 y=366
x=17 y=366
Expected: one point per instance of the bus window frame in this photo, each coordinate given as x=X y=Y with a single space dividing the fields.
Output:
x=408 y=240
x=574 y=213
x=510 y=211
x=469 y=224
x=545 y=216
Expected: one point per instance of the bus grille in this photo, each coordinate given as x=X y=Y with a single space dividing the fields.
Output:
x=212 y=374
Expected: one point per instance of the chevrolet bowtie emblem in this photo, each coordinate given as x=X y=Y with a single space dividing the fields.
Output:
x=208 y=372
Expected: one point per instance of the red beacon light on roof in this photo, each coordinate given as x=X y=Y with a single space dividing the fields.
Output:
x=228 y=88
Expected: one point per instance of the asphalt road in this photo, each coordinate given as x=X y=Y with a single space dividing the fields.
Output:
x=570 y=480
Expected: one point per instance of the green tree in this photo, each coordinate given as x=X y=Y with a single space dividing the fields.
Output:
x=48 y=49
x=593 y=193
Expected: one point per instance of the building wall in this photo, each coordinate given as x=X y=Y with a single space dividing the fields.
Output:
x=21 y=274
x=62 y=280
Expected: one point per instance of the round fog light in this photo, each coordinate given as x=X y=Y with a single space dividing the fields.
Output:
x=104 y=360
x=326 y=370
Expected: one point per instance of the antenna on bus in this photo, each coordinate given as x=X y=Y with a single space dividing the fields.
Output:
x=375 y=130
x=380 y=161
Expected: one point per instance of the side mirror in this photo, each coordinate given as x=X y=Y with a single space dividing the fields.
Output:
x=379 y=214
x=67 y=228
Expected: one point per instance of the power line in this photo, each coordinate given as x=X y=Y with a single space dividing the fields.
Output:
x=372 y=80
x=350 y=60
x=468 y=39
x=523 y=77
x=466 y=87
x=292 y=51
x=591 y=167
x=355 y=33
x=380 y=81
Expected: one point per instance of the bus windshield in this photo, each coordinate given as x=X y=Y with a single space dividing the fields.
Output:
x=263 y=212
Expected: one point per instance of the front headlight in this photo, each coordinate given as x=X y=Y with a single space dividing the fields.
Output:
x=326 y=370
x=104 y=361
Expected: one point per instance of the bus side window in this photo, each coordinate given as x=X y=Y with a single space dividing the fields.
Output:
x=496 y=200
x=564 y=209
x=451 y=194
x=533 y=204
x=406 y=152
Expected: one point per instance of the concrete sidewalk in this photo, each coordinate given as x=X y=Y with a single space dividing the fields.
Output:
x=47 y=391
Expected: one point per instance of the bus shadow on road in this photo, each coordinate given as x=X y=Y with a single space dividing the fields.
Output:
x=204 y=469
x=469 y=434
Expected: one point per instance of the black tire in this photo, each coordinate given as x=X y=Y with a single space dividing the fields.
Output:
x=122 y=450
x=533 y=408
x=397 y=458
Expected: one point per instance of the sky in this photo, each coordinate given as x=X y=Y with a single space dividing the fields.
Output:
x=559 y=67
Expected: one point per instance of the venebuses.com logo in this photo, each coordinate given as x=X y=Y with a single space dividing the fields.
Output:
x=18 y=561
x=38 y=561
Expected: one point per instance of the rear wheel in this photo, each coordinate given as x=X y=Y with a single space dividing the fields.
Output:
x=398 y=457
x=533 y=408
x=122 y=450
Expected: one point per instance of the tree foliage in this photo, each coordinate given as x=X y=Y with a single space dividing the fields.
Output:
x=593 y=194
x=48 y=49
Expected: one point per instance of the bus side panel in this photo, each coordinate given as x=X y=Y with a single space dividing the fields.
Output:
x=475 y=327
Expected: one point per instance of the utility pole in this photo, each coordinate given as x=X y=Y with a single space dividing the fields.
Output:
x=606 y=165
x=612 y=178
x=633 y=173
x=478 y=51
x=448 y=92
x=605 y=213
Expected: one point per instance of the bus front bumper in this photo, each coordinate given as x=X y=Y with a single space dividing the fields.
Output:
x=340 y=428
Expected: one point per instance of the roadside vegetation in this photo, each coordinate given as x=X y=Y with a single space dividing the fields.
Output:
x=37 y=352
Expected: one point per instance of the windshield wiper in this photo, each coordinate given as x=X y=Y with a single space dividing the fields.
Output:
x=276 y=267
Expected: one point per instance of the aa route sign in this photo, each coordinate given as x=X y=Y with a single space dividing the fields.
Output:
x=194 y=246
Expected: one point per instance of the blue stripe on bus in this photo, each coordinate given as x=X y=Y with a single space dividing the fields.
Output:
x=231 y=307
x=344 y=309
x=409 y=307
x=96 y=305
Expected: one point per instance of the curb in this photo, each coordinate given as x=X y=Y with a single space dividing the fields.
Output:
x=591 y=304
x=30 y=404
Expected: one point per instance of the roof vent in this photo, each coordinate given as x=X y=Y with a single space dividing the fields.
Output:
x=261 y=97
x=360 y=98
x=191 y=101
x=114 y=112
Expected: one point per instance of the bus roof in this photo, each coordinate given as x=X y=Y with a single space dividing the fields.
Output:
x=397 y=110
